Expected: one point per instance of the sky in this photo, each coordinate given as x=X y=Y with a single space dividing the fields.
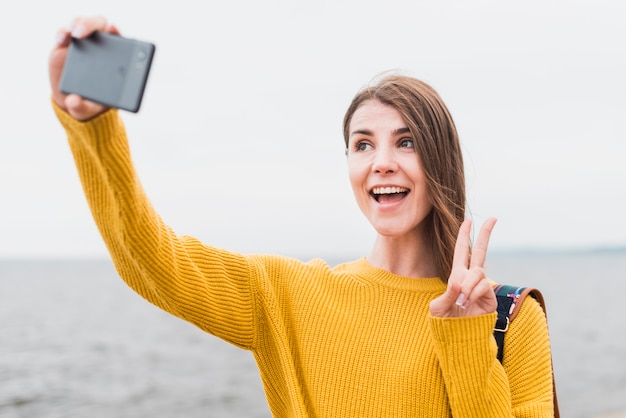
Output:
x=239 y=138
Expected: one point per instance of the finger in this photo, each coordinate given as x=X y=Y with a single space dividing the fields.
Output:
x=113 y=29
x=461 y=249
x=444 y=305
x=479 y=251
x=483 y=294
x=82 y=27
x=63 y=38
x=472 y=280
x=452 y=292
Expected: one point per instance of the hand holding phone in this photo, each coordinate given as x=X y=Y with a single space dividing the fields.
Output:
x=108 y=69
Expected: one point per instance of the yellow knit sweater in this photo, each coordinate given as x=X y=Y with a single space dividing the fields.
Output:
x=350 y=341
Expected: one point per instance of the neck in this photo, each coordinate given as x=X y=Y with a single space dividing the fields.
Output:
x=409 y=256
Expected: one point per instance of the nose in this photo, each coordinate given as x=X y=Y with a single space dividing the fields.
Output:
x=385 y=162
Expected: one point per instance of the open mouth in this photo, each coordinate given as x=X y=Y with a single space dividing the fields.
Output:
x=389 y=194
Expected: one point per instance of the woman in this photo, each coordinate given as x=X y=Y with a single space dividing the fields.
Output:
x=405 y=331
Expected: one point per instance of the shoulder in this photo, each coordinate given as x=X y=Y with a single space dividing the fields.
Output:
x=520 y=309
x=531 y=313
x=287 y=271
x=280 y=263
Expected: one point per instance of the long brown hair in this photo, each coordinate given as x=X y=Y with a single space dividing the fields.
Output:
x=438 y=147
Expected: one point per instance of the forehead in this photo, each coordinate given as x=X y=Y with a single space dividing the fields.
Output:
x=374 y=115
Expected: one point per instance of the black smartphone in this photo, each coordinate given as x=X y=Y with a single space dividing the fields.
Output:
x=108 y=69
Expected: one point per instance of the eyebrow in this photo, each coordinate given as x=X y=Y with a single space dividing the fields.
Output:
x=398 y=131
x=401 y=131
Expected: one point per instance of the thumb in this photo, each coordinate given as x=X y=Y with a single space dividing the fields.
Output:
x=444 y=305
x=81 y=109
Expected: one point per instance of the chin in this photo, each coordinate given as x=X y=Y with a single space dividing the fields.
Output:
x=396 y=228
x=393 y=231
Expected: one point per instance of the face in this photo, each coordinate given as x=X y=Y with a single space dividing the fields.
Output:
x=385 y=171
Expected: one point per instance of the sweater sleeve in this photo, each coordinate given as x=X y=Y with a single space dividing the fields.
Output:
x=478 y=385
x=528 y=362
x=208 y=287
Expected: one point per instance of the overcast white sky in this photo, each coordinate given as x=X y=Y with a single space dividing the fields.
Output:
x=239 y=138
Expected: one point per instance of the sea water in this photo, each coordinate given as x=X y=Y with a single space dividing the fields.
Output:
x=75 y=341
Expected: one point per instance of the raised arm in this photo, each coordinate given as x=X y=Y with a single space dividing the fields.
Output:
x=208 y=287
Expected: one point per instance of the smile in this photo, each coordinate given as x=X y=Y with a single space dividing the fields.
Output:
x=388 y=194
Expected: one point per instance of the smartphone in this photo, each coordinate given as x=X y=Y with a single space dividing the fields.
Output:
x=108 y=69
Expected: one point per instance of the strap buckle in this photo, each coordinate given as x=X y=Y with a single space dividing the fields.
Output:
x=506 y=326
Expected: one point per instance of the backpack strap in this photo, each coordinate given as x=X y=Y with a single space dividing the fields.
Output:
x=510 y=300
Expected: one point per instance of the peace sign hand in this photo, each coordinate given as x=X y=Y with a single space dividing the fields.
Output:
x=469 y=293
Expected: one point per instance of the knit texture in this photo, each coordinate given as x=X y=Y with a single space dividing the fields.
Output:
x=348 y=341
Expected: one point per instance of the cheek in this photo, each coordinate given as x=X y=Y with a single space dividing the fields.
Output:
x=425 y=193
x=419 y=180
x=354 y=173
x=357 y=176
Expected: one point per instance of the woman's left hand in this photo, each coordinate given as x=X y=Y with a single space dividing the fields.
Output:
x=469 y=293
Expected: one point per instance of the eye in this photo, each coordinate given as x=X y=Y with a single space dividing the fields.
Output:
x=362 y=146
x=406 y=143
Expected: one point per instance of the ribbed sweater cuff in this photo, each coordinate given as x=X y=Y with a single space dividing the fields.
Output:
x=93 y=128
x=458 y=330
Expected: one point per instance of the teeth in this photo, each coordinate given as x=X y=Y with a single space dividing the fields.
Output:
x=389 y=190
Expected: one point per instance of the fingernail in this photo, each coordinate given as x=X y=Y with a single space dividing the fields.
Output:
x=60 y=38
x=460 y=301
x=79 y=31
